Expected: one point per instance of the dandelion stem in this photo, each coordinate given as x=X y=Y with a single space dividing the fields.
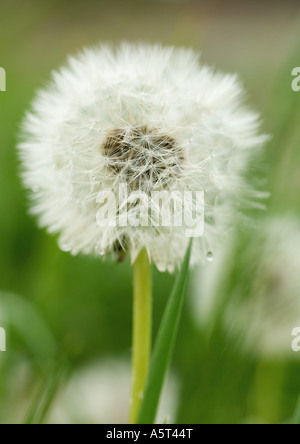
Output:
x=142 y=323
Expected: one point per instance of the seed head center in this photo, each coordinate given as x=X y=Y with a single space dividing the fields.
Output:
x=142 y=153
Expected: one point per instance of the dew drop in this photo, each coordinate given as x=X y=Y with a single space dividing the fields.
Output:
x=64 y=247
x=101 y=251
x=210 y=256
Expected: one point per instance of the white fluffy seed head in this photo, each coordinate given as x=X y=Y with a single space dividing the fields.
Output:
x=153 y=118
x=98 y=393
x=255 y=293
x=268 y=317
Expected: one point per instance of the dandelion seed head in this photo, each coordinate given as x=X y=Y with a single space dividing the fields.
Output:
x=100 y=391
x=142 y=154
x=262 y=306
x=274 y=309
x=154 y=118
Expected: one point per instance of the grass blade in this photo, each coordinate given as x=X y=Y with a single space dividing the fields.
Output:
x=164 y=345
x=47 y=391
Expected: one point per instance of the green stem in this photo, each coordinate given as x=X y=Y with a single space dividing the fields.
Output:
x=142 y=323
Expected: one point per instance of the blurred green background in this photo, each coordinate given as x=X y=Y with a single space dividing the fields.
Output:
x=64 y=312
